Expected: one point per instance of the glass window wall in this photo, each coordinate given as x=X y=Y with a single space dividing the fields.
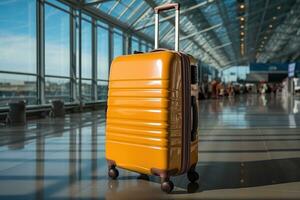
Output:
x=57 y=88
x=15 y=87
x=86 y=45
x=117 y=44
x=102 y=89
x=86 y=87
x=143 y=47
x=103 y=63
x=103 y=53
x=135 y=44
x=57 y=42
x=57 y=54
x=19 y=53
x=18 y=36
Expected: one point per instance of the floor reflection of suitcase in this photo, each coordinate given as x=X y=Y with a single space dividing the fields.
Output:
x=152 y=115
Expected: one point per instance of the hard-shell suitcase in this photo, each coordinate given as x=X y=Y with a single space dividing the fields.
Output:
x=152 y=114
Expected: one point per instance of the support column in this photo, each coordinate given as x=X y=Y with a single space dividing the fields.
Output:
x=40 y=11
x=73 y=55
x=80 y=59
x=111 y=44
x=126 y=43
x=129 y=47
x=94 y=60
x=290 y=86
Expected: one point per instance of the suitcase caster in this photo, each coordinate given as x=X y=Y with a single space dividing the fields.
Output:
x=167 y=186
x=113 y=172
x=193 y=176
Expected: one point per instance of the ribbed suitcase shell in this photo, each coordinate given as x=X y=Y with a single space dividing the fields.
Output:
x=144 y=114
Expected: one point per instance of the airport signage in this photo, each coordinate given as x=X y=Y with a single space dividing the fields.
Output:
x=269 y=67
x=291 y=71
x=273 y=68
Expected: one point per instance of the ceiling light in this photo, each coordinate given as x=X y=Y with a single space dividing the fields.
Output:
x=278 y=7
x=274 y=18
x=242 y=18
x=242 y=39
x=270 y=26
x=242 y=26
x=242 y=33
x=262 y=42
x=265 y=37
x=210 y=1
x=242 y=6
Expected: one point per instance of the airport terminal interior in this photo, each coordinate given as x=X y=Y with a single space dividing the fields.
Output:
x=58 y=90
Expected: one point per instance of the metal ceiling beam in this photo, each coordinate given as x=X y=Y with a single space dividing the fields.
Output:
x=261 y=23
x=216 y=40
x=103 y=16
x=238 y=61
x=200 y=5
x=188 y=46
x=259 y=11
x=223 y=11
x=152 y=4
x=167 y=33
x=223 y=45
x=136 y=9
x=297 y=55
x=114 y=6
x=276 y=44
x=254 y=25
x=173 y=15
x=98 y=14
x=141 y=17
x=125 y=10
x=202 y=31
x=95 y=2
x=286 y=53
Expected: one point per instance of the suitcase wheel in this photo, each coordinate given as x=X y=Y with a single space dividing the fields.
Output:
x=167 y=186
x=193 y=176
x=113 y=173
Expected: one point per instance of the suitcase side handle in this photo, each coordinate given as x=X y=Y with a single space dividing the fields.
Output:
x=157 y=10
x=195 y=118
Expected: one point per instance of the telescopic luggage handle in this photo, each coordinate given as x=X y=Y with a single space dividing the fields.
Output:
x=157 y=10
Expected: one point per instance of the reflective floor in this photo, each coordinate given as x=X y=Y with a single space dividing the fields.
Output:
x=249 y=148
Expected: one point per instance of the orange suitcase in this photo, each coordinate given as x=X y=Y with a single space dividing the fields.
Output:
x=152 y=114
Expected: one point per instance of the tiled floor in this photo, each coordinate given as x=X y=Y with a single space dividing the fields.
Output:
x=249 y=148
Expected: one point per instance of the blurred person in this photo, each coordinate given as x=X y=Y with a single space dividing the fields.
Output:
x=214 y=84
x=274 y=89
x=220 y=90
x=264 y=88
x=201 y=95
x=210 y=90
x=237 y=89
x=204 y=87
x=230 y=90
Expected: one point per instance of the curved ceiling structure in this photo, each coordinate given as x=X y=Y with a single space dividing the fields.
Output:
x=220 y=33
